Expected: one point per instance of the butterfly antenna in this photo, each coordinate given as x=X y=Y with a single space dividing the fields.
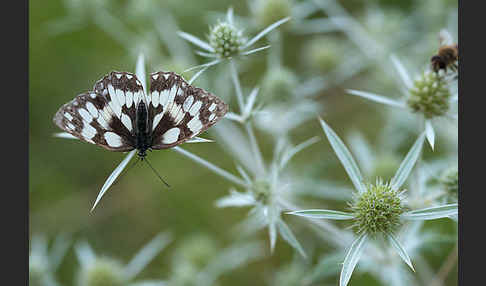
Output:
x=163 y=181
x=126 y=171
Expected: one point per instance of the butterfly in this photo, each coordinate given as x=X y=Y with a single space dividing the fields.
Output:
x=119 y=116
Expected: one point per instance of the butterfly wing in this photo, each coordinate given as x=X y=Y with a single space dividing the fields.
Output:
x=105 y=116
x=179 y=111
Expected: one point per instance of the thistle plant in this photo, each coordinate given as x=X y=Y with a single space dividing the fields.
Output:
x=429 y=97
x=98 y=270
x=44 y=262
x=199 y=260
x=226 y=41
x=378 y=209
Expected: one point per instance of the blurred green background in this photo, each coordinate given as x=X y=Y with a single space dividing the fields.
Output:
x=66 y=175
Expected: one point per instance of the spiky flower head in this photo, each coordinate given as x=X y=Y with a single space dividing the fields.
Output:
x=103 y=272
x=226 y=39
x=268 y=12
x=279 y=83
x=262 y=191
x=378 y=209
x=430 y=95
x=450 y=182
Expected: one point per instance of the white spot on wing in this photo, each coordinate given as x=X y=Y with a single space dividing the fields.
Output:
x=195 y=108
x=121 y=97
x=129 y=98
x=92 y=109
x=112 y=139
x=125 y=119
x=211 y=117
x=88 y=131
x=155 y=98
x=92 y=95
x=118 y=75
x=68 y=116
x=212 y=107
x=187 y=103
x=129 y=76
x=70 y=126
x=171 y=135
x=194 y=125
x=85 y=115
x=164 y=96
x=157 y=119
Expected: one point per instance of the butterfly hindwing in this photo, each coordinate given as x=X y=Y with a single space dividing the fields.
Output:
x=179 y=111
x=85 y=117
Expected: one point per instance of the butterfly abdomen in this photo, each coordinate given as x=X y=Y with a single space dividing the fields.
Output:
x=142 y=133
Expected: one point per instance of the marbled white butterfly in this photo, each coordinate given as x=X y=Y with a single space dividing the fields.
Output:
x=117 y=115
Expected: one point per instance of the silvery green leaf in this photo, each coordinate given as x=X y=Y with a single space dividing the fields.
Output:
x=206 y=55
x=234 y=117
x=401 y=71
x=407 y=164
x=84 y=253
x=377 y=98
x=65 y=135
x=250 y=102
x=199 y=140
x=326 y=214
x=272 y=232
x=236 y=199
x=345 y=157
x=399 y=248
x=429 y=132
x=351 y=259
x=146 y=254
x=111 y=179
x=206 y=65
x=196 y=41
x=196 y=75
x=58 y=251
x=296 y=149
x=140 y=71
x=243 y=174
x=264 y=32
x=217 y=170
x=288 y=236
x=432 y=212
x=247 y=53
x=229 y=16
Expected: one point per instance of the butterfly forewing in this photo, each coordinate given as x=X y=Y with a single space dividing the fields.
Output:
x=179 y=111
x=86 y=118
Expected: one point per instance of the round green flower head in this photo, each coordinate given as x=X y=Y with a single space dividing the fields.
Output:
x=450 y=181
x=103 y=272
x=268 y=12
x=226 y=39
x=323 y=53
x=279 y=83
x=262 y=191
x=196 y=251
x=429 y=95
x=378 y=209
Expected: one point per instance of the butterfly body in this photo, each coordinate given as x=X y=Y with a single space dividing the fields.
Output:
x=119 y=116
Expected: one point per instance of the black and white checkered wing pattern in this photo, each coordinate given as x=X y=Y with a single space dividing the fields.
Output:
x=105 y=116
x=179 y=111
